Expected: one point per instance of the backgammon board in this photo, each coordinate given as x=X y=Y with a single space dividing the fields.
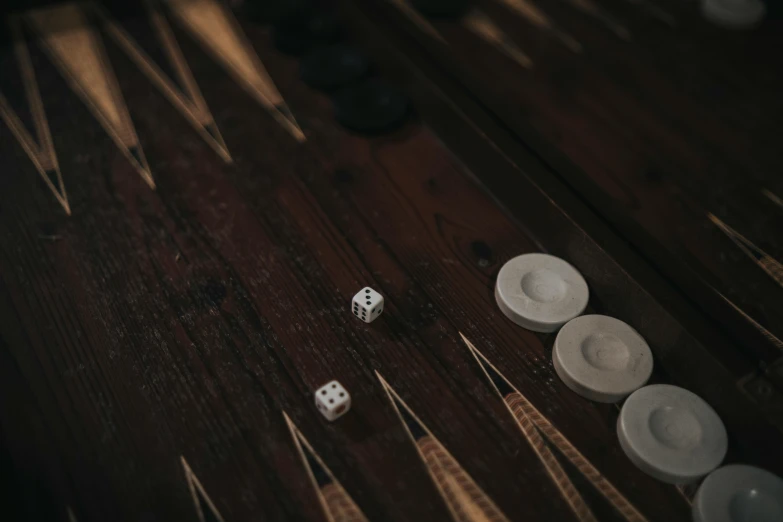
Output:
x=184 y=222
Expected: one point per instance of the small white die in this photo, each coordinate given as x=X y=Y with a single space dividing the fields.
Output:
x=367 y=304
x=332 y=400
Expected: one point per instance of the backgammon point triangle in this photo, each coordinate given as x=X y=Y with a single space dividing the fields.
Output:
x=292 y=124
x=766 y=262
x=136 y=156
x=212 y=131
x=405 y=7
x=542 y=435
x=208 y=515
x=54 y=180
x=335 y=501
x=39 y=149
x=465 y=500
x=75 y=47
x=414 y=426
x=205 y=508
x=501 y=384
x=168 y=70
x=772 y=197
x=484 y=27
x=217 y=141
x=215 y=28
x=599 y=506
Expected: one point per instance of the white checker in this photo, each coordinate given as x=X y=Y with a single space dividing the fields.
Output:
x=540 y=292
x=332 y=400
x=739 y=493
x=735 y=14
x=671 y=433
x=601 y=358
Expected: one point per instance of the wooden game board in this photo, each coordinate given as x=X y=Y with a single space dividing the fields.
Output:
x=182 y=227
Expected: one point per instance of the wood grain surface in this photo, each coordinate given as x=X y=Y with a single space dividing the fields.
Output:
x=159 y=348
x=662 y=123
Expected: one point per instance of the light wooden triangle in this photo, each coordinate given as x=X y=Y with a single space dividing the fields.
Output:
x=413 y=15
x=537 y=17
x=465 y=500
x=480 y=24
x=190 y=103
x=778 y=343
x=77 y=51
x=337 y=505
x=766 y=262
x=772 y=197
x=212 y=25
x=198 y=494
x=532 y=423
x=41 y=149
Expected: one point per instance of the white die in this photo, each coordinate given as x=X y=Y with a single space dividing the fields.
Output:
x=332 y=400
x=367 y=304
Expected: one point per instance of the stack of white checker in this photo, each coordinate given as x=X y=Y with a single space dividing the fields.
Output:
x=666 y=431
x=599 y=357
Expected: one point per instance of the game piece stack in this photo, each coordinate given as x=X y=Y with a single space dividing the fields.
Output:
x=362 y=103
x=666 y=431
x=599 y=357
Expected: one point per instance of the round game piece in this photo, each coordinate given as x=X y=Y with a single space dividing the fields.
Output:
x=736 y=14
x=370 y=107
x=739 y=493
x=441 y=8
x=601 y=358
x=671 y=433
x=540 y=292
x=331 y=67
